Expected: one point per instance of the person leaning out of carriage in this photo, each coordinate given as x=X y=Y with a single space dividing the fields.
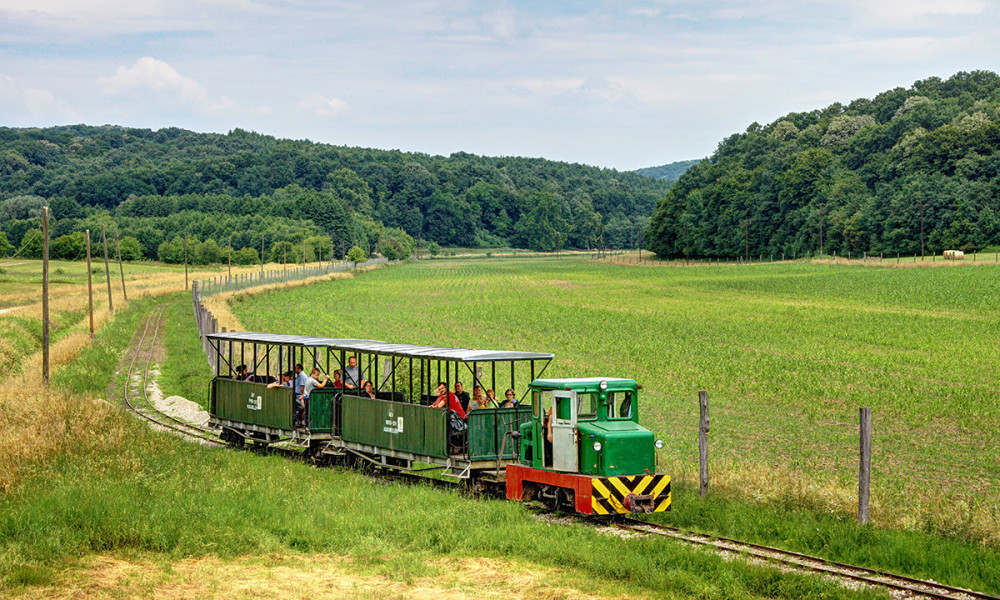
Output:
x=448 y=400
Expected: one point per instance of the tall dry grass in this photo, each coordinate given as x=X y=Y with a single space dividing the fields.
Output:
x=40 y=422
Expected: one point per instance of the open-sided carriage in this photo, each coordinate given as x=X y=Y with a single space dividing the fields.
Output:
x=398 y=427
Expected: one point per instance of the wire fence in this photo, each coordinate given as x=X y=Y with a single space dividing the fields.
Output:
x=232 y=283
x=937 y=474
x=207 y=322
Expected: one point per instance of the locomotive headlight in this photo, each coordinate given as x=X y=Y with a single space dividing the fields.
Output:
x=658 y=444
x=597 y=446
x=603 y=385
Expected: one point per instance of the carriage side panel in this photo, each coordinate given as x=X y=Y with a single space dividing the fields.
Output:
x=253 y=403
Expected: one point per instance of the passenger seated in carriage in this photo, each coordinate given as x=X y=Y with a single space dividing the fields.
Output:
x=286 y=381
x=368 y=392
x=448 y=400
x=337 y=381
x=462 y=395
x=479 y=400
x=242 y=374
x=510 y=401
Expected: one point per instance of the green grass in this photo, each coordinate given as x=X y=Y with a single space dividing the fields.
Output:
x=153 y=494
x=147 y=493
x=185 y=371
x=160 y=495
x=787 y=352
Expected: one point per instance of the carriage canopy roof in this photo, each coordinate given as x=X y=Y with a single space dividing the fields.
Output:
x=382 y=348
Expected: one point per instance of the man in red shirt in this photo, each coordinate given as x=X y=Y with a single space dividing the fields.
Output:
x=446 y=398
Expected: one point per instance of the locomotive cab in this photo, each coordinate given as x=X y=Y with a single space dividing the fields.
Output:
x=584 y=445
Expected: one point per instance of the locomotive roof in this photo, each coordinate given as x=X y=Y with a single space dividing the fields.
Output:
x=383 y=348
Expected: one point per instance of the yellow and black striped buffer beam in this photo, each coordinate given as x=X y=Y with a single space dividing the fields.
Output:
x=630 y=493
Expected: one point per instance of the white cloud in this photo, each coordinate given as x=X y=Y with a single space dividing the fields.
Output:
x=149 y=75
x=321 y=106
x=18 y=98
x=908 y=10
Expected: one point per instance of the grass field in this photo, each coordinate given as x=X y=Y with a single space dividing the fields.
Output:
x=105 y=508
x=787 y=352
x=117 y=510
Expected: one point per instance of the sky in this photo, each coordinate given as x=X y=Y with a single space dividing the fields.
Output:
x=613 y=84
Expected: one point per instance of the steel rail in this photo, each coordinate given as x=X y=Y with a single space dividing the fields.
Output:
x=181 y=426
x=798 y=560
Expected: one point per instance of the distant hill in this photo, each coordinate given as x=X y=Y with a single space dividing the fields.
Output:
x=912 y=167
x=169 y=182
x=670 y=172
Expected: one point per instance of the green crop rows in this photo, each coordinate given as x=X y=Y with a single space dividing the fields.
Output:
x=787 y=353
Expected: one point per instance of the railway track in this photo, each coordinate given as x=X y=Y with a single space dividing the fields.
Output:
x=144 y=407
x=902 y=585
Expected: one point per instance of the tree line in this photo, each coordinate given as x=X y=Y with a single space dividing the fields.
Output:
x=912 y=170
x=155 y=186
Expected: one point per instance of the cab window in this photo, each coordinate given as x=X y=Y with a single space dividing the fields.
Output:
x=620 y=405
x=586 y=406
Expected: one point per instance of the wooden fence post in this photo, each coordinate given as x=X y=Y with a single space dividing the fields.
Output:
x=45 y=294
x=90 y=289
x=107 y=271
x=865 y=470
x=703 y=441
x=121 y=269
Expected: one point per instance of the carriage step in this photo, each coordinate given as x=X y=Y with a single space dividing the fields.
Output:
x=457 y=471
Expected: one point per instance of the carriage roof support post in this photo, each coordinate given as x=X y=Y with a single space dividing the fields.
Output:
x=511 y=377
x=411 y=379
x=343 y=371
x=494 y=375
x=378 y=384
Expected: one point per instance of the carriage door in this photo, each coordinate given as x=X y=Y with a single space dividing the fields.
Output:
x=565 y=455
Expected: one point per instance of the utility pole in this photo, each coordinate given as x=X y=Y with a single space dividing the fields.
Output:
x=230 y=257
x=185 y=262
x=284 y=256
x=262 y=255
x=107 y=271
x=121 y=269
x=303 y=253
x=90 y=289
x=45 y=295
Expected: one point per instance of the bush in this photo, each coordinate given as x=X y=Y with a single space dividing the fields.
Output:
x=131 y=248
x=356 y=254
x=69 y=247
x=246 y=256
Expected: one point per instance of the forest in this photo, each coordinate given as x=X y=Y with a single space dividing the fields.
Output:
x=911 y=171
x=264 y=194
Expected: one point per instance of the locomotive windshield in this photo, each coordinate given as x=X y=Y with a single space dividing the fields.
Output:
x=620 y=405
x=586 y=405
